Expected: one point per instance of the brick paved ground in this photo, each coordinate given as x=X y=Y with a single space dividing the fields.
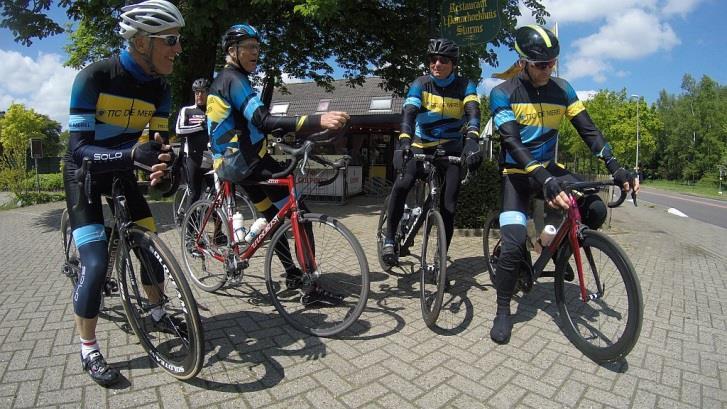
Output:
x=254 y=359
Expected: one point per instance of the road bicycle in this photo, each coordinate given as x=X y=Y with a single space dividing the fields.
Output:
x=139 y=256
x=322 y=289
x=601 y=313
x=423 y=211
x=181 y=195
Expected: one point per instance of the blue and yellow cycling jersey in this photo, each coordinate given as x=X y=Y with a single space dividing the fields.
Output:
x=436 y=111
x=528 y=119
x=237 y=119
x=112 y=101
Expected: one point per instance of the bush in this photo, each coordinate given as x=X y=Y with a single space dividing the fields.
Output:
x=709 y=180
x=477 y=198
x=33 y=198
x=52 y=182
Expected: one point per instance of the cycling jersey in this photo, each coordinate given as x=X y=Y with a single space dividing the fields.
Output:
x=435 y=111
x=528 y=119
x=112 y=101
x=192 y=123
x=237 y=119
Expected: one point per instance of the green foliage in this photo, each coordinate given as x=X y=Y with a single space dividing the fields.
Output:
x=33 y=198
x=477 y=198
x=52 y=182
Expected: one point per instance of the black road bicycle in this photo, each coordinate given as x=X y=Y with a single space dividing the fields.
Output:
x=601 y=313
x=139 y=256
x=423 y=211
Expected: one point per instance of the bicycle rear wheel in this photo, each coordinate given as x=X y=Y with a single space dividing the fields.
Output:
x=434 y=267
x=491 y=243
x=244 y=206
x=381 y=235
x=72 y=264
x=205 y=234
x=178 y=206
x=607 y=327
x=330 y=299
x=175 y=342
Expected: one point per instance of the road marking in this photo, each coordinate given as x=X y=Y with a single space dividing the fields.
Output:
x=676 y=212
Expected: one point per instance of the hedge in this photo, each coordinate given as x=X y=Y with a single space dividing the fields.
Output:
x=478 y=197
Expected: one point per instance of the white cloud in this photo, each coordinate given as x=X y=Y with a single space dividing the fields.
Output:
x=43 y=83
x=580 y=67
x=680 y=7
x=288 y=79
x=487 y=84
x=566 y=11
x=586 y=95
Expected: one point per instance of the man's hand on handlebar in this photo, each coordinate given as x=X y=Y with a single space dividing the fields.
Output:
x=334 y=120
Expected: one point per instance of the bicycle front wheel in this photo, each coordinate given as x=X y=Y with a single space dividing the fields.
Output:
x=178 y=206
x=328 y=300
x=434 y=267
x=381 y=235
x=204 y=245
x=72 y=264
x=491 y=243
x=606 y=326
x=159 y=304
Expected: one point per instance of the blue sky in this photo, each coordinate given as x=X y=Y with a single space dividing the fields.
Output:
x=641 y=45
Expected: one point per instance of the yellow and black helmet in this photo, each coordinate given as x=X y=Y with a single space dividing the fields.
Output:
x=536 y=43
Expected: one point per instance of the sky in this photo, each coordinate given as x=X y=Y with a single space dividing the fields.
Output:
x=643 y=46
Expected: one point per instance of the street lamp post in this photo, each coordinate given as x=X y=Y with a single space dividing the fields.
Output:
x=638 y=98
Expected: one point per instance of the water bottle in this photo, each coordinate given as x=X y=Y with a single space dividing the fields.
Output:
x=238 y=225
x=547 y=235
x=255 y=229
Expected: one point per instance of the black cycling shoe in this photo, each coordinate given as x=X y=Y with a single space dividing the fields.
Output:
x=171 y=325
x=99 y=370
x=318 y=297
x=388 y=253
x=293 y=278
x=501 y=328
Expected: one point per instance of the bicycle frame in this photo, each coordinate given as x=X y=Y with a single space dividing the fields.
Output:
x=290 y=209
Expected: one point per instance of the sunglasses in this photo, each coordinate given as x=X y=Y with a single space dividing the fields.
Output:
x=170 y=39
x=250 y=46
x=541 y=65
x=442 y=59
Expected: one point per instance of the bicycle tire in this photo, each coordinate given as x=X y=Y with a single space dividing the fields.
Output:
x=433 y=267
x=491 y=243
x=176 y=350
x=583 y=323
x=245 y=206
x=178 y=206
x=381 y=235
x=206 y=272
x=72 y=261
x=342 y=270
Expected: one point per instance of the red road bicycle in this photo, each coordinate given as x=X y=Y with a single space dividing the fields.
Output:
x=601 y=313
x=315 y=270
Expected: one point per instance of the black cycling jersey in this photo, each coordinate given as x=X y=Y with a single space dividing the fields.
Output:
x=436 y=111
x=192 y=124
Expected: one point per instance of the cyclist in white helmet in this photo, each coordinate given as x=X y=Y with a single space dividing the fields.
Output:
x=112 y=101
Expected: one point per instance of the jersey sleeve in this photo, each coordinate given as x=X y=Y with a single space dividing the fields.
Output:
x=412 y=105
x=472 y=109
x=504 y=119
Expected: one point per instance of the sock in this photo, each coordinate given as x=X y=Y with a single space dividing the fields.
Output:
x=157 y=312
x=88 y=346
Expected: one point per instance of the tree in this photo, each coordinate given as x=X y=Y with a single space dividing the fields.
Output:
x=302 y=37
x=17 y=128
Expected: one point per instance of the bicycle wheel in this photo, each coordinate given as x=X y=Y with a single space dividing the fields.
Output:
x=244 y=206
x=204 y=245
x=434 y=267
x=176 y=341
x=179 y=205
x=381 y=235
x=330 y=299
x=491 y=243
x=606 y=327
x=72 y=264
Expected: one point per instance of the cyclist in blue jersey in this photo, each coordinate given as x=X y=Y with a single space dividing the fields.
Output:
x=527 y=111
x=438 y=109
x=238 y=123
x=112 y=101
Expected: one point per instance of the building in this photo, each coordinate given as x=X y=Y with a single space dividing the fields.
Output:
x=375 y=120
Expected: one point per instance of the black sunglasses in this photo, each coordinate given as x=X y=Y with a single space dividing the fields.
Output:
x=170 y=39
x=544 y=64
x=442 y=59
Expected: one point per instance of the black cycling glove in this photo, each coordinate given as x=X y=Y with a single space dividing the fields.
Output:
x=472 y=154
x=551 y=187
x=619 y=174
x=403 y=154
x=146 y=155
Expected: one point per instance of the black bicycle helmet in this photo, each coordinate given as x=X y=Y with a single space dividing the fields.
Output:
x=536 y=43
x=237 y=33
x=445 y=47
x=202 y=84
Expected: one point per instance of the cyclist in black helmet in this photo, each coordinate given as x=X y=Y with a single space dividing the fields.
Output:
x=439 y=108
x=527 y=110
x=192 y=124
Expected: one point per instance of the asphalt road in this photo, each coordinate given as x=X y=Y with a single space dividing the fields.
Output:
x=707 y=210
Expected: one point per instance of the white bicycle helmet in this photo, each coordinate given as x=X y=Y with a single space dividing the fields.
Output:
x=151 y=16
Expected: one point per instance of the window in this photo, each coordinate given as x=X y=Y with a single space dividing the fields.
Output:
x=380 y=104
x=323 y=105
x=280 y=108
